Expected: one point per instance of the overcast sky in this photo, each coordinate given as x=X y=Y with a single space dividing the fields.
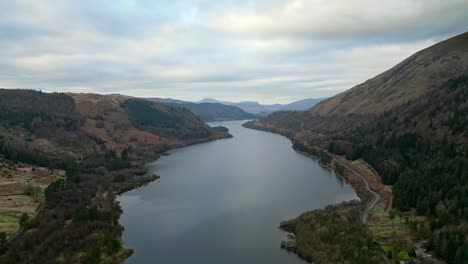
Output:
x=269 y=51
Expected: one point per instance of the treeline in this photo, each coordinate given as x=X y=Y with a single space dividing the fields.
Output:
x=38 y=112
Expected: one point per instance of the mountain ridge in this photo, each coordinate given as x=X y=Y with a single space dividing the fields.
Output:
x=265 y=109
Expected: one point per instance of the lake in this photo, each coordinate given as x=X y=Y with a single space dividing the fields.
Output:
x=222 y=201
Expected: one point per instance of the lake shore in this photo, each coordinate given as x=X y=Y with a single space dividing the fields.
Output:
x=398 y=234
x=365 y=182
x=246 y=183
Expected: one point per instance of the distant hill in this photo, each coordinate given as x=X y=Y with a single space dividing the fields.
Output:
x=410 y=124
x=247 y=106
x=217 y=112
x=265 y=109
x=168 y=100
x=302 y=105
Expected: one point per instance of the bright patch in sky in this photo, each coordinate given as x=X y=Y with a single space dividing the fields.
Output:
x=268 y=51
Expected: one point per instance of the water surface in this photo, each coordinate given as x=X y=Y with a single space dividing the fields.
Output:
x=222 y=201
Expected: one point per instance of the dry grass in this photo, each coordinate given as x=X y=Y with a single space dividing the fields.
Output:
x=21 y=190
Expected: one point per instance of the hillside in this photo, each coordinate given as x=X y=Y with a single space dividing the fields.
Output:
x=72 y=126
x=410 y=124
x=122 y=122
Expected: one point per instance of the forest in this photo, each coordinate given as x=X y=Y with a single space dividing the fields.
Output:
x=168 y=121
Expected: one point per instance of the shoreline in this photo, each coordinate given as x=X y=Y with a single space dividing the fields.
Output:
x=362 y=188
x=89 y=211
x=139 y=180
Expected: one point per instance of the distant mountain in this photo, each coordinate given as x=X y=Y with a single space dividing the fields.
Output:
x=410 y=124
x=212 y=101
x=168 y=100
x=302 y=105
x=217 y=112
x=265 y=109
x=247 y=106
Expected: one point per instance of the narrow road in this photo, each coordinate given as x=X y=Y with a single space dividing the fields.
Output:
x=370 y=206
x=376 y=199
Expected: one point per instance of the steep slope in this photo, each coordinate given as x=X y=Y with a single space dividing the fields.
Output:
x=410 y=124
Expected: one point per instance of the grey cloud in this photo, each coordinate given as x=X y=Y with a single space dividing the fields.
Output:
x=195 y=49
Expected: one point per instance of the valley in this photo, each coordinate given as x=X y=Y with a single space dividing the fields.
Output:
x=340 y=136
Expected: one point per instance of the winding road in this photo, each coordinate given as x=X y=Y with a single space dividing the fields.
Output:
x=371 y=205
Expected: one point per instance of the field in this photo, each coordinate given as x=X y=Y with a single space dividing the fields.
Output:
x=21 y=191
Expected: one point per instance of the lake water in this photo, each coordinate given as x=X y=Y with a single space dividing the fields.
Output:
x=222 y=201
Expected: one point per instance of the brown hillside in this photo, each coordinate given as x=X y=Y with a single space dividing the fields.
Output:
x=105 y=120
x=53 y=129
x=110 y=119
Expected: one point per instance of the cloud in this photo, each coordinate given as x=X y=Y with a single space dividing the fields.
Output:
x=355 y=19
x=271 y=51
